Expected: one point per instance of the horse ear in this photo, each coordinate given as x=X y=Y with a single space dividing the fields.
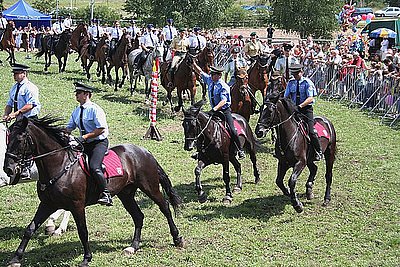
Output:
x=199 y=104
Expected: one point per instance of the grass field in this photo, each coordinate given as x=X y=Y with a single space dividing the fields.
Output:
x=360 y=227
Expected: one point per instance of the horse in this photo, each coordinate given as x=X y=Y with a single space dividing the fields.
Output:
x=119 y=59
x=64 y=184
x=292 y=147
x=8 y=42
x=205 y=60
x=184 y=79
x=100 y=56
x=258 y=75
x=34 y=176
x=145 y=70
x=60 y=47
x=215 y=147
x=241 y=99
x=79 y=37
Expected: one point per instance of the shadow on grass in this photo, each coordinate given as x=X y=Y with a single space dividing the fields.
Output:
x=8 y=233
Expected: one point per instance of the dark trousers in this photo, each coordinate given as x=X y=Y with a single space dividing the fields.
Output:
x=96 y=151
x=308 y=112
x=229 y=120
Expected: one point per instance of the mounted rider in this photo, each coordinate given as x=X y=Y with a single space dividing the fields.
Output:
x=3 y=25
x=285 y=61
x=148 y=42
x=134 y=32
x=197 y=42
x=57 y=28
x=116 y=34
x=168 y=34
x=179 y=47
x=302 y=91
x=95 y=32
x=234 y=64
x=253 y=48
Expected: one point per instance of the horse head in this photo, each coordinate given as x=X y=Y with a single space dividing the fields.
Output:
x=268 y=115
x=190 y=124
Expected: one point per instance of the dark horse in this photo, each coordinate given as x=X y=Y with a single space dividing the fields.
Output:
x=205 y=60
x=63 y=184
x=214 y=146
x=184 y=79
x=60 y=47
x=241 y=99
x=292 y=147
x=119 y=59
x=258 y=75
x=8 y=42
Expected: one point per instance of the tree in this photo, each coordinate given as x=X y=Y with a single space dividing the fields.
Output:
x=306 y=17
x=393 y=2
x=105 y=13
x=45 y=6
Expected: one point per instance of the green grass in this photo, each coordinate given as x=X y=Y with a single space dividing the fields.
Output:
x=260 y=228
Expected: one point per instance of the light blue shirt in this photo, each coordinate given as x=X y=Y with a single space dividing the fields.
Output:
x=217 y=91
x=307 y=89
x=93 y=118
x=28 y=94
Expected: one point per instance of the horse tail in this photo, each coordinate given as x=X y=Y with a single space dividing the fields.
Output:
x=43 y=50
x=166 y=184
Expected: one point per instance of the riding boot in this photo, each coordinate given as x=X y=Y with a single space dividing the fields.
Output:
x=171 y=75
x=105 y=196
x=317 y=146
x=254 y=106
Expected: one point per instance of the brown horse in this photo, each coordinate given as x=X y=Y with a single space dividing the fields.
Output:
x=8 y=42
x=79 y=37
x=258 y=75
x=119 y=59
x=100 y=56
x=63 y=183
x=60 y=45
x=214 y=146
x=241 y=99
x=292 y=147
x=184 y=79
x=205 y=59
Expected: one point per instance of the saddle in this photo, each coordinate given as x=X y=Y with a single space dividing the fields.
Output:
x=222 y=126
x=111 y=166
x=319 y=128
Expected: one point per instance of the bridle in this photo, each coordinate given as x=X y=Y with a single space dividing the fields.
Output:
x=275 y=115
x=197 y=129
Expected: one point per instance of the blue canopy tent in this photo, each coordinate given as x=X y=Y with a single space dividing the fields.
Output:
x=22 y=14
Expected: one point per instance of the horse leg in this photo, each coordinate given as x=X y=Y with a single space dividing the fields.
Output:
x=59 y=64
x=201 y=195
x=129 y=202
x=329 y=159
x=64 y=224
x=80 y=220
x=123 y=77
x=225 y=174
x=253 y=159
x=180 y=101
x=116 y=79
x=50 y=225
x=88 y=69
x=65 y=62
x=203 y=89
x=42 y=213
x=282 y=169
x=238 y=168
x=310 y=181
x=298 y=168
x=146 y=86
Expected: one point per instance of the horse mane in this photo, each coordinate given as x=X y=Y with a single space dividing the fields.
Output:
x=51 y=125
x=288 y=104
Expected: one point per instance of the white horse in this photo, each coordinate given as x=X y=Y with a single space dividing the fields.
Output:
x=146 y=70
x=34 y=176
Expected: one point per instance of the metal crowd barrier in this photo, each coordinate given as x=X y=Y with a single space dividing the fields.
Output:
x=370 y=91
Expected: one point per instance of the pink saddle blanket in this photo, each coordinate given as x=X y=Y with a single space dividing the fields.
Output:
x=238 y=127
x=321 y=131
x=112 y=163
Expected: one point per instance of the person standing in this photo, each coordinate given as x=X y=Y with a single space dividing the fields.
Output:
x=23 y=99
x=220 y=100
x=91 y=121
x=302 y=91
x=270 y=33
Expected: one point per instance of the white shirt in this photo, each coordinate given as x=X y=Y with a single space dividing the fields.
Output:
x=116 y=33
x=96 y=30
x=67 y=23
x=384 y=45
x=3 y=23
x=195 y=39
x=169 y=32
x=57 y=27
x=280 y=64
x=133 y=31
x=148 y=40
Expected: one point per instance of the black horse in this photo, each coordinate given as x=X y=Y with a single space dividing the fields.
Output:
x=292 y=147
x=60 y=46
x=63 y=184
x=214 y=146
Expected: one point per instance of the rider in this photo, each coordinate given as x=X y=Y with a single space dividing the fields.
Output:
x=133 y=30
x=116 y=34
x=302 y=91
x=285 y=61
x=95 y=31
x=3 y=25
x=197 y=42
x=148 y=42
x=220 y=100
x=253 y=48
x=91 y=122
x=179 y=47
x=168 y=34
x=67 y=22
x=234 y=64
x=57 y=28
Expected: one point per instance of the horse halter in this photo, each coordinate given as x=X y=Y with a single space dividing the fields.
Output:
x=24 y=157
x=275 y=114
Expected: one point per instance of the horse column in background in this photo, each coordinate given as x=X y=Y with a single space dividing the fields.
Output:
x=34 y=177
x=119 y=59
x=8 y=42
x=64 y=184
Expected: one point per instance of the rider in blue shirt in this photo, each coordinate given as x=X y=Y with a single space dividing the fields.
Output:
x=220 y=100
x=302 y=91
x=90 y=119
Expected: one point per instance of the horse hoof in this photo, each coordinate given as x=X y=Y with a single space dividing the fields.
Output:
x=57 y=232
x=129 y=251
x=49 y=230
x=298 y=208
x=237 y=189
x=177 y=108
x=309 y=194
x=180 y=243
x=326 y=202
x=227 y=200
x=257 y=180
x=202 y=198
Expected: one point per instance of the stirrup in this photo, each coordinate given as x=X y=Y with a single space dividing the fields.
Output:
x=241 y=154
x=318 y=156
x=105 y=199
x=195 y=155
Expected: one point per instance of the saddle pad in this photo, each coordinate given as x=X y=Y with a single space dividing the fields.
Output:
x=112 y=163
x=322 y=132
x=238 y=127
